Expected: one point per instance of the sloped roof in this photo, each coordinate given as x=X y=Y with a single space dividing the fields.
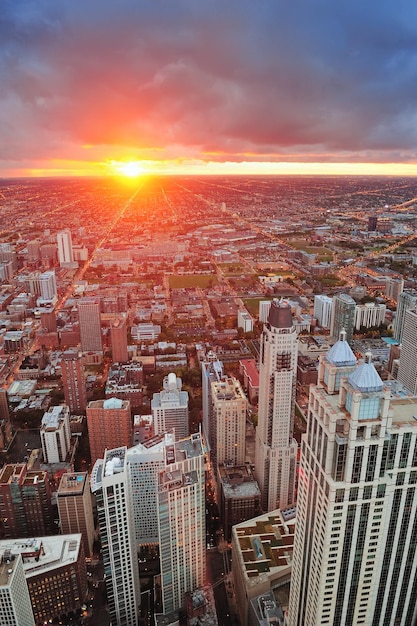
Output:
x=341 y=353
x=365 y=377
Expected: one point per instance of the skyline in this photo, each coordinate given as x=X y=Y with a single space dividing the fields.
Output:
x=268 y=88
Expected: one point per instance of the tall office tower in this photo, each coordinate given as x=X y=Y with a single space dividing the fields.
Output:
x=393 y=288
x=6 y=430
x=229 y=409
x=355 y=558
x=109 y=424
x=55 y=434
x=111 y=485
x=75 y=508
x=145 y=462
x=118 y=334
x=64 y=240
x=264 y=307
x=343 y=316
x=275 y=448
x=73 y=379
x=181 y=521
x=170 y=408
x=406 y=300
x=90 y=324
x=323 y=310
x=47 y=285
x=407 y=370
x=211 y=370
x=25 y=502
x=15 y=604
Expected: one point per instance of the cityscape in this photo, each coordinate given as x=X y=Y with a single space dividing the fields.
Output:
x=208 y=313
x=208 y=400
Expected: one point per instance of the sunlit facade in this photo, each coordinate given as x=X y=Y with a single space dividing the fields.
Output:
x=355 y=558
x=275 y=448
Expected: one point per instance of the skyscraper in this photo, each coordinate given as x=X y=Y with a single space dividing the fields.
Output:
x=406 y=300
x=170 y=408
x=109 y=424
x=181 y=521
x=25 y=502
x=407 y=370
x=75 y=508
x=73 y=379
x=55 y=434
x=229 y=409
x=343 y=316
x=111 y=485
x=118 y=334
x=355 y=558
x=323 y=310
x=15 y=604
x=211 y=370
x=65 y=254
x=275 y=448
x=90 y=324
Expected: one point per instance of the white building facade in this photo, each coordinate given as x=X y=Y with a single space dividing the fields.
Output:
x=229 y=410
x=111 y=486
x=170 y=408
x=64 y=240
x=181 y=519
x=323 y=310
x=355 y=558
x=55 y=434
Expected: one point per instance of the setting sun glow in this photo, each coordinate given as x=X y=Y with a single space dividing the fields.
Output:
x=131 y=169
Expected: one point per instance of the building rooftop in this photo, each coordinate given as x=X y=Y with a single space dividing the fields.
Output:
x=72 y=484
x=43 y=554
x=265 y=545
x=341 y=353
x=365 y=378
x=280 y=315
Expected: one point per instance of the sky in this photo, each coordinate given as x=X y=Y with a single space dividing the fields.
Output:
x=208 y=86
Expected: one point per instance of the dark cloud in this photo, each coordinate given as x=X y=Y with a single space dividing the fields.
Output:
x=277 y=80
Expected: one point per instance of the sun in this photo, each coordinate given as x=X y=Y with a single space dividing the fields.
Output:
x=131 y=169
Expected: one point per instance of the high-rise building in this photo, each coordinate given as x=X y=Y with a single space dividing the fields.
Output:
x=55 y=434
x=343 y=316
x=369 y=314
x=406 y=300
x=229 y=409
x=55 y=573
x=393 y=287
x=181 y=521
x=75 y=508
x=65 y=254
x=118 y=334
x=275 y=448
x=211 y=370
x=170 y=408
x=47 y=285
x=355 y=557
x=407 y=369
x=25 y=502
x=323 y=310
x=90 y=324
x=109 y=424
x=111 y=485
x=73 y=379
x=145 y=461
x=15 y=603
